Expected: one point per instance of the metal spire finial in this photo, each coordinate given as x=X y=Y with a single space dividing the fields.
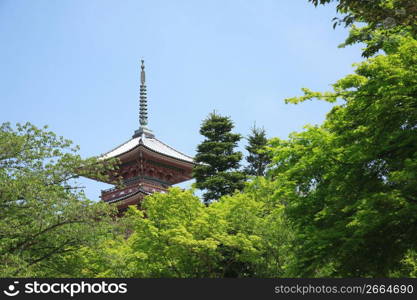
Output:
x=143 y=110
x=143 y=106
x=142 y=73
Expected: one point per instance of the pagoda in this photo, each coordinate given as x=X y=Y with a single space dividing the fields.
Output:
x=147 y=165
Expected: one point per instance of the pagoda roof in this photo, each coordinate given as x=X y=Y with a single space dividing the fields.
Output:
x=150 y=143
x=143 y=138
x=120 y=198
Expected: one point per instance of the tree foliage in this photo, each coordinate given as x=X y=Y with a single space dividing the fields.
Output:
x=177 y=236
x=353 y=179
x=258 y=158
x=218 y=163
x=384 y=21
x=374 y=12
x=338 y=200
x=44 y=214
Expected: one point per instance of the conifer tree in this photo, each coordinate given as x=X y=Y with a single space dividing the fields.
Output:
x=257 y=159
x=218 y=163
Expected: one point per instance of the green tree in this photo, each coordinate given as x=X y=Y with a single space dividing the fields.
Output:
x=258 y=158
x=374 y=12
x=243 y=235
x=384 y=21
x=217 y=161
x=351 y=185
x=44 y=213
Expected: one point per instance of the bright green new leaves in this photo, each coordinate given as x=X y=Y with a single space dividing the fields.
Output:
x=171 y=236
x=353 y=179
x=243 y=235
x=44 y=213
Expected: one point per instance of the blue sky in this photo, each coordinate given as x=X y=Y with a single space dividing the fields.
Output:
x=74 y=65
